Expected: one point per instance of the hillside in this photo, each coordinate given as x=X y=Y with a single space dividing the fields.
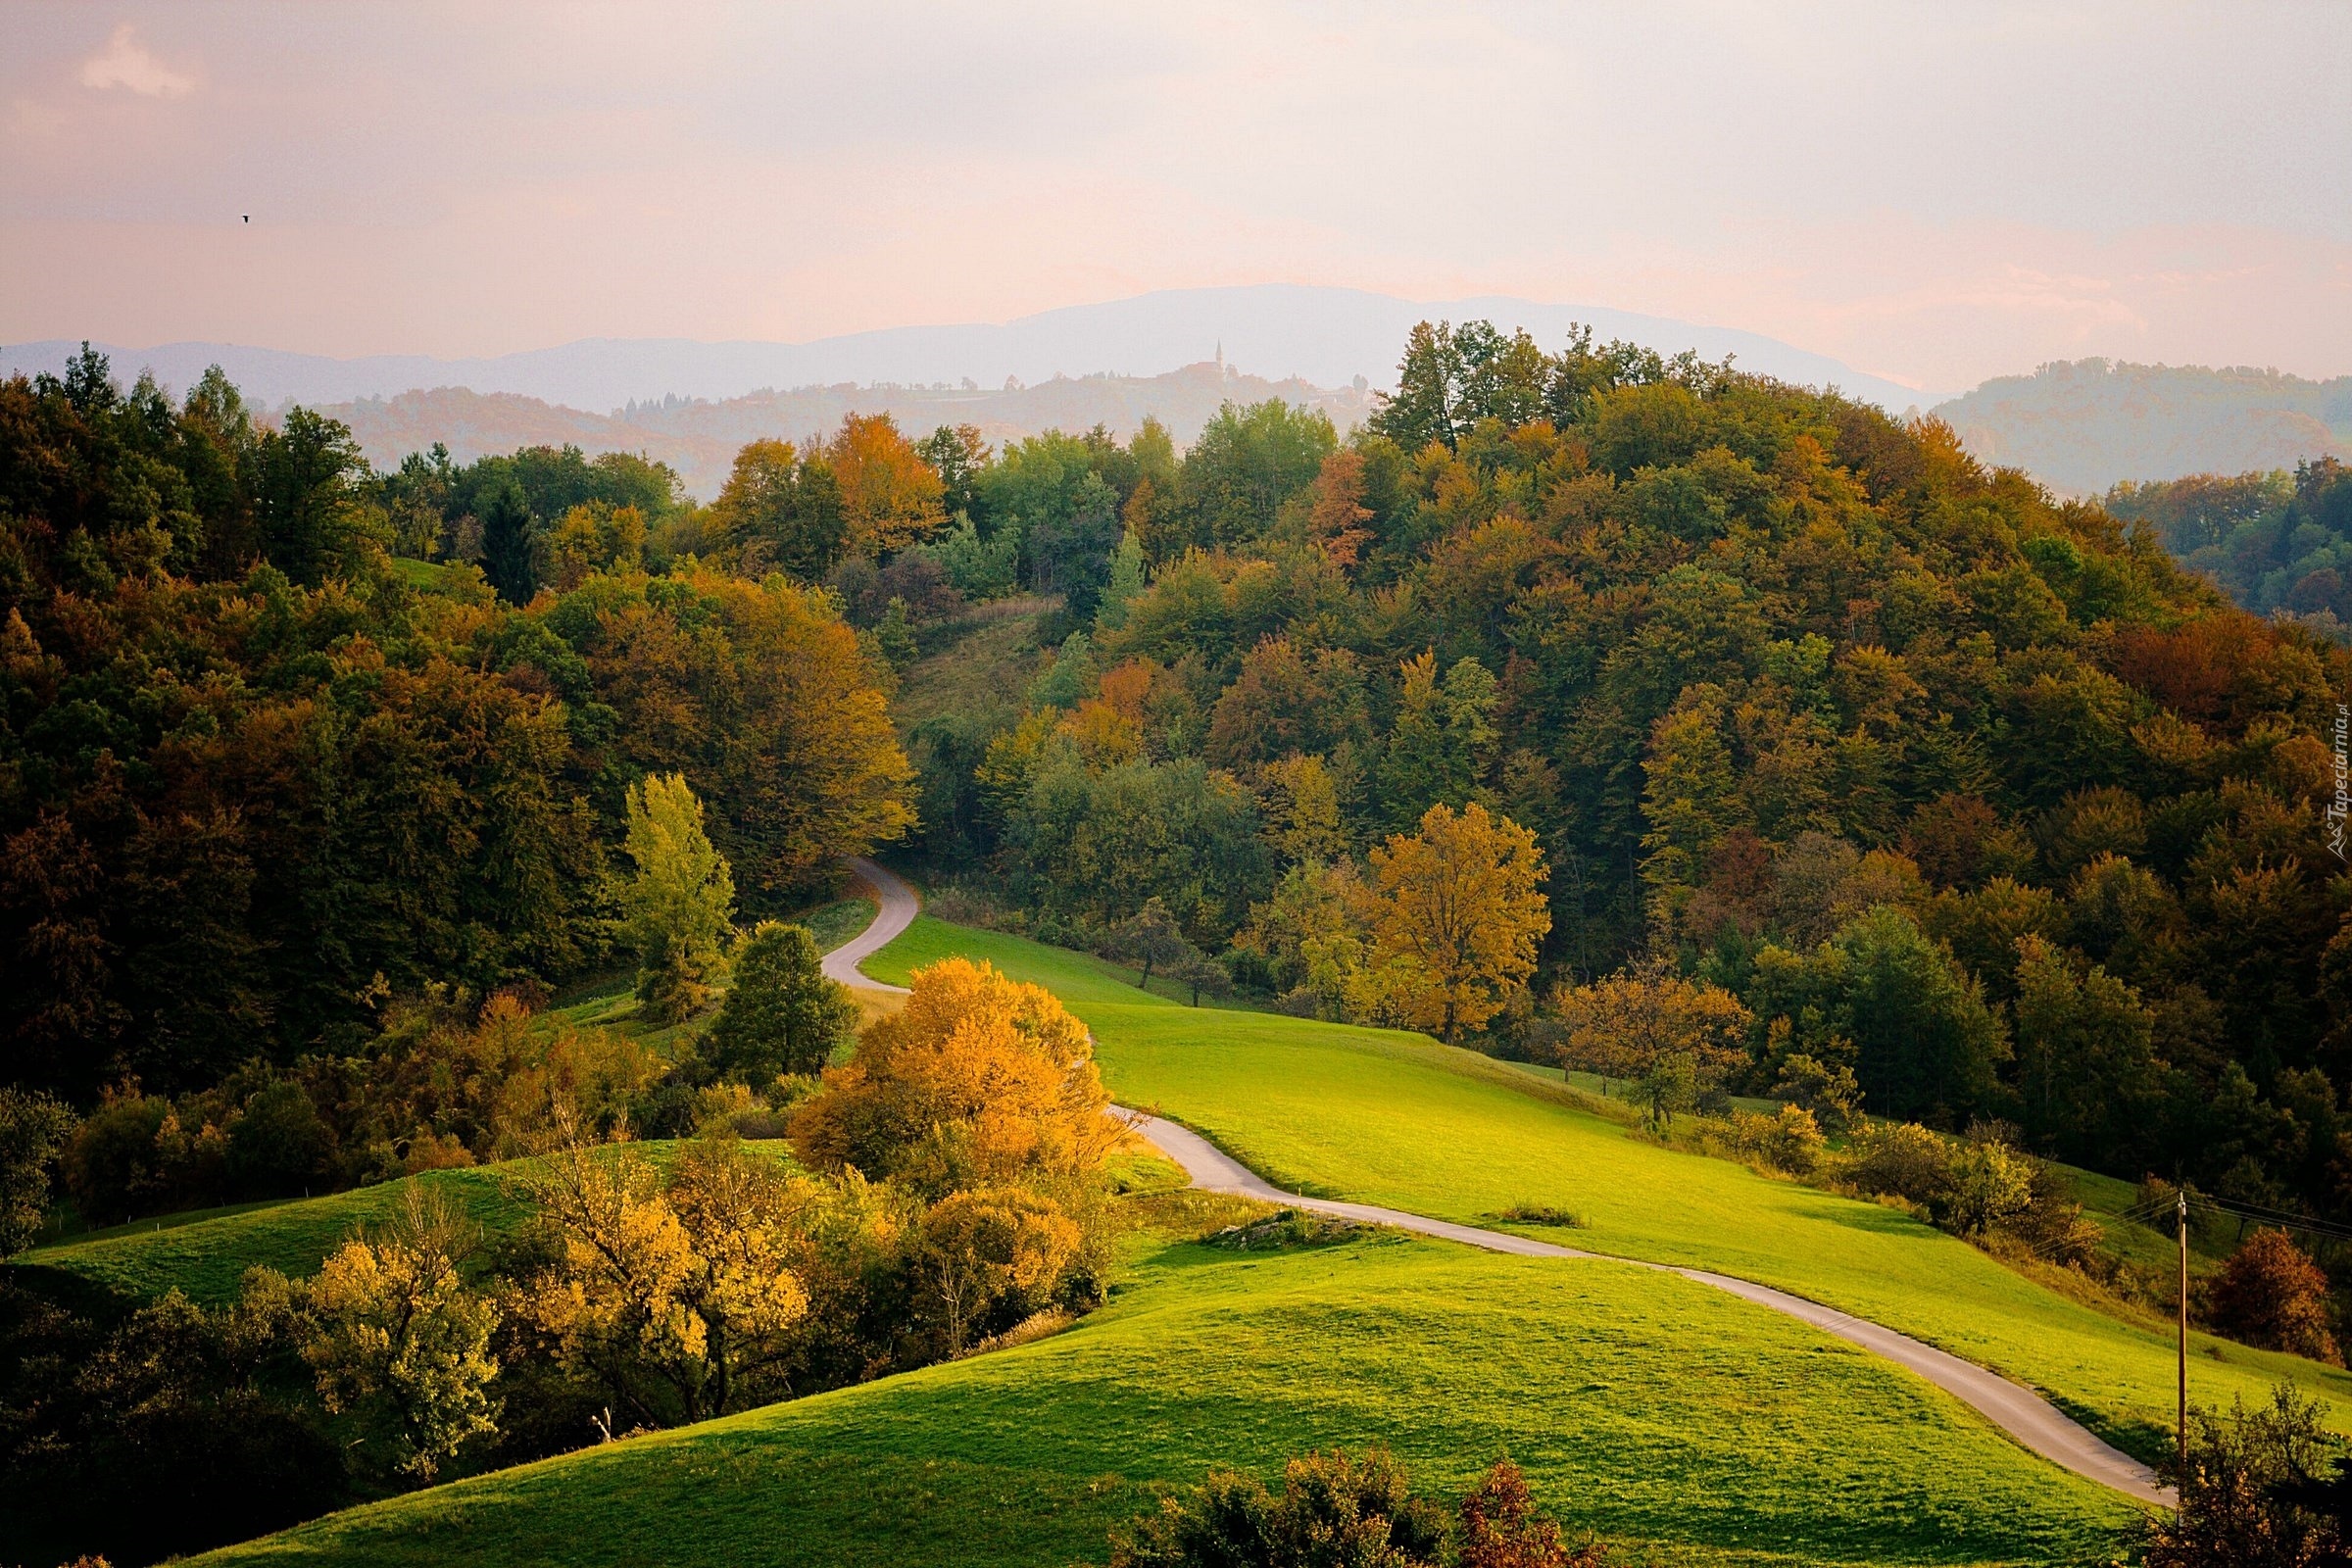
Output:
x=699 y=438
x=2082 y=427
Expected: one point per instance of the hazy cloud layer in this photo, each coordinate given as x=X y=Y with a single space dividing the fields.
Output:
x=1933 y=194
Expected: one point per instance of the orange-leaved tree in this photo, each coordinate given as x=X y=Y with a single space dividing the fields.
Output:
x=1457 y=913
x=980 y=1080
x=890 y=497
x=1652 y=1024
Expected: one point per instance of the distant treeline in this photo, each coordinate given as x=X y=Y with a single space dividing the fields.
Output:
x=2275 y=542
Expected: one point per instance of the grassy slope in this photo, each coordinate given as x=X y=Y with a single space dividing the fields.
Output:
x=1736 y=1436
x=1398 y=1119
x=206 y=1253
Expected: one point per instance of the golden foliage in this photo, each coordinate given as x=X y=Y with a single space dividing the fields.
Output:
x=397 y=1342
x=668 y=1294
x=980 y=1079
x=1456 y=915
x=890 y=497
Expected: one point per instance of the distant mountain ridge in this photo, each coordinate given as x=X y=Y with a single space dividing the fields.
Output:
x=2084 y=425
x=700 y=438
x=1324 y=336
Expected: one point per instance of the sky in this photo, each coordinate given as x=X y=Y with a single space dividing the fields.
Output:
x=1932 y=193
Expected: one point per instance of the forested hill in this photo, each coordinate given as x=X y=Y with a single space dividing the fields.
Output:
x=258 y=776
x=2084 y=427
x=2277 y=543
x=1976 y=794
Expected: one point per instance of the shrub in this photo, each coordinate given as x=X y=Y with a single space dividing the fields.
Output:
x=2268 y=1293
x=992 y=1254
x=2252 y=1495
x=1899 y=1160
x=1830 y=1092
x=1498 y=1527
x=1332 y=1512
x=1790 y=1140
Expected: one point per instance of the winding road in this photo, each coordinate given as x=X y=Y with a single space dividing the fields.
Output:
x=2025 y=1415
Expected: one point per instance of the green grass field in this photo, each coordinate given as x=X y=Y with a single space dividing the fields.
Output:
x=1643 y=1407
x=205 y=1253
x=1387 y=1117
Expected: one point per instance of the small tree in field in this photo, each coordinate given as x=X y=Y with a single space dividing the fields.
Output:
x=1670 y=1034
x=1151 y=938
x=679 y=909
x=1457 y=913
x=1203 y=973
x=782 y=1015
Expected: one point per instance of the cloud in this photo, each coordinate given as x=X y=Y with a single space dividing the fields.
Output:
x=125 y=63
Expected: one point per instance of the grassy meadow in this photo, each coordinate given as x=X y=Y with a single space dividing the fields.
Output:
x=1387 y=1117
x=1643 y=1407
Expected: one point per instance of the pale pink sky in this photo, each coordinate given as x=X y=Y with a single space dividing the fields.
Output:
x=1931 y=193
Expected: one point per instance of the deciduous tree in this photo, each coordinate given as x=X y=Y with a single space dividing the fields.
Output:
x=1457 y=913
x=978 y=1081
x=399 y=1344
x=781 y=1013
x=680 y=906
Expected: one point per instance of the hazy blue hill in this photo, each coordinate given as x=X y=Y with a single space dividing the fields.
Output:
x=2084 y=425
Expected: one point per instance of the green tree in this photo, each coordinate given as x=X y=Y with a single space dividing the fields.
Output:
x=509 y=540
x=1151 y=938
x=1924 y=1039
x=33 y=1129
x=782 y=1015
x=1442 y=739
x=678 y=909
x=1126 y=581
x=781 y=512
x=2088 y=1074
x=310 y=502
x=1247 y=463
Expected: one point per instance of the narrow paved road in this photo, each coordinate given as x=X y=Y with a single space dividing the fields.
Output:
x=899 y=909
x=2017 y=1411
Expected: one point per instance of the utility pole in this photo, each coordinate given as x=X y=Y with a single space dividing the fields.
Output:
x=2181 y=1214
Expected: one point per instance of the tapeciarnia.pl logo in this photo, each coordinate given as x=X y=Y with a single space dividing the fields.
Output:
x=2342 y=804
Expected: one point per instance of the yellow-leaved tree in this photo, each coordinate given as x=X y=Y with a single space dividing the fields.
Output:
x=399 y=1342
x=980 y=1080
x=672 y=1294
x=1456 y=912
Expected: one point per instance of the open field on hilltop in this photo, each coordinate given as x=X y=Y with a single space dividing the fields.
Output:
x=206 y=1253
x=1387 y=1117
x=1642 y=1407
